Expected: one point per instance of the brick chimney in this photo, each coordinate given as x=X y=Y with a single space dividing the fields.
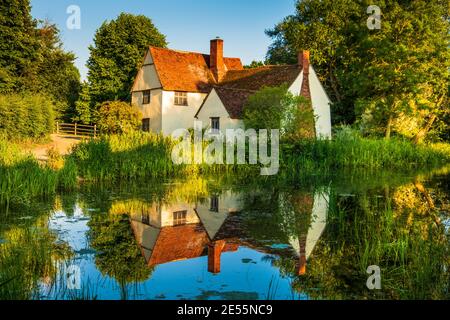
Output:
x=303 y=62
x=214 y=252
x=302 y=257
x=216 y=63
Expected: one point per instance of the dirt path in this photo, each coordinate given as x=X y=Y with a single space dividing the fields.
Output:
x=63 y=144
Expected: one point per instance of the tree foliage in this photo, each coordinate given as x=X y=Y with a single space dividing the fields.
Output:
x=374 y=77
x=33 y=60
x=276 y=108
x=26 y=116
x=119 y=46
x=119 y=117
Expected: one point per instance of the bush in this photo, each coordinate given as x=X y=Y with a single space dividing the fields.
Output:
x=26 y=116
x=117 y=117
x=276 y=108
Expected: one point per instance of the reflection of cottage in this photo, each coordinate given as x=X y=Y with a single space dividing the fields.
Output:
x=168 y=233
x=304 y=244
x=172 y=88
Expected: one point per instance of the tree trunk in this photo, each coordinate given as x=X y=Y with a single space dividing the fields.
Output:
x=423 y=132
x=389 y=127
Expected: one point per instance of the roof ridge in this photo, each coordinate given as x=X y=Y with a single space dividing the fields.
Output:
x=188 y=52
x=231 y=88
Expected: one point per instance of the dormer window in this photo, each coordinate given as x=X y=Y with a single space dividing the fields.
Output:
x=146 y=97
x=181 y=99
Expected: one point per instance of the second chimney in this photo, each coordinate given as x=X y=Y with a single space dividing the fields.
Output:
x=303 y=62
x=216 y=62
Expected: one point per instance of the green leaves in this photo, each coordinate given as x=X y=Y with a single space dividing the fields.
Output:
x=400 y=70
x=119 y=117
x=119 y=46
x=276 y=108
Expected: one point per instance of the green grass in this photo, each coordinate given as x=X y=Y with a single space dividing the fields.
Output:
x=357 y=152
x=23 y=178
x=143 y=155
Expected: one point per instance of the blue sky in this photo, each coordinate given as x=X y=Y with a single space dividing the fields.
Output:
x=187 y=24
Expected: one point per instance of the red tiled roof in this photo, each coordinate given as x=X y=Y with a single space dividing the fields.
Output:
x=179 y=243
x=233 y=100
x=190 y=71
x=187 y=71
x=256 y=78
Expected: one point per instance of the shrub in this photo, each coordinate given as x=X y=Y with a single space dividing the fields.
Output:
x=276 y=108
x=117 y=117
x=24 y=116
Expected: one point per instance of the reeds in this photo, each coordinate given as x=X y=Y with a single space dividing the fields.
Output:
x=23 y=178
x=357 y=152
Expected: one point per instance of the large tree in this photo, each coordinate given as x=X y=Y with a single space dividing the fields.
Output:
x=18 y=45
x=32 y=58
x=400 y=71
x=119 y=46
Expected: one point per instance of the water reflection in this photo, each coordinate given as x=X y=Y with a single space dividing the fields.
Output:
x=181 y=231
x=229 y=239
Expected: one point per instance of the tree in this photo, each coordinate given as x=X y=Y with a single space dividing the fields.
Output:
x=32 y=59
x=119 y=46
x=18 y=45
x=403 y=68
x=58 y=75
x=118 y=117
x=276 y=108
x=374 y=76
x=255 y=64
x=324 y=28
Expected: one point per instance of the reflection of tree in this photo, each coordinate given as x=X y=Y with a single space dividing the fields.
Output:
x=29 y=254
x=118 y=254
x=368 y=230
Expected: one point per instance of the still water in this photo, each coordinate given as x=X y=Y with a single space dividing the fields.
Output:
x=224 y=238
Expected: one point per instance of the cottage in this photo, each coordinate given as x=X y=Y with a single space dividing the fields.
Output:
x=173 y=88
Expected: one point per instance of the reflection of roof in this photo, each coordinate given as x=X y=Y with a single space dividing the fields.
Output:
x=174 y=243
x=179 y=243
x=318 y=224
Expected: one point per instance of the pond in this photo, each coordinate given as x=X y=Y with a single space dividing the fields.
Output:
x=232 y=238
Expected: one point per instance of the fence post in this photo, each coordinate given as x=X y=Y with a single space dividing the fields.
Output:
x=75 y=129
x=57 y=127
x=95 y=131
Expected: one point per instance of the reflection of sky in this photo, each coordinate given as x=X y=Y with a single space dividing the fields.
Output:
x=244 y=274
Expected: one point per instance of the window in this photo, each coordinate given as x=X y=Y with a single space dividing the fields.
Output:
x=215 y=123
x=179 y=218
x=146 y=125
x=145 y=217
x=146 y=97
x=214 y=204
x=181 y=99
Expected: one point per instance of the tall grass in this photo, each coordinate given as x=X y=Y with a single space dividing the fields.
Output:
x=28 y=257
x=358 y=152
x=23 y=178
x=137 y=155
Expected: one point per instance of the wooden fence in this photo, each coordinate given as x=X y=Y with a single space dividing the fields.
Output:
x=75 y=129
